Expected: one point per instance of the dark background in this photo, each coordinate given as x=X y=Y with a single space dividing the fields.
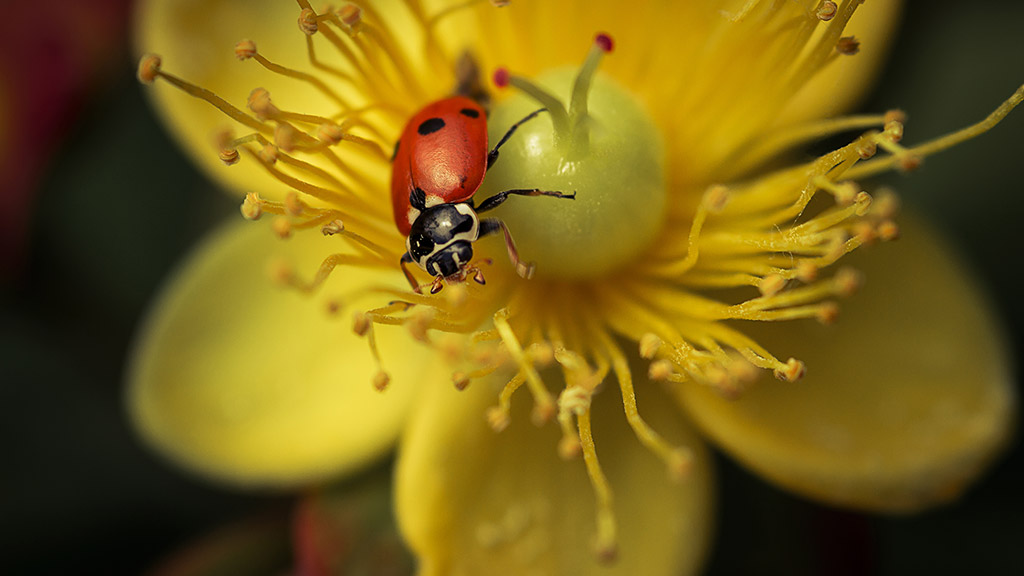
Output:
x=114 y=205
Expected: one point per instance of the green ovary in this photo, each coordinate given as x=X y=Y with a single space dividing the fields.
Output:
x=618 y=177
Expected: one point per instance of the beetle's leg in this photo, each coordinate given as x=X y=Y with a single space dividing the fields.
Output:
x=492 y=156
x=500 y=197
x=492 y=225
x=406 y=259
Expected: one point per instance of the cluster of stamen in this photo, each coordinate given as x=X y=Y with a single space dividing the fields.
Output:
x=772 y=236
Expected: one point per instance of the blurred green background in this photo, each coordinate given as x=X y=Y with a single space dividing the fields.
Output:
x=113 y=205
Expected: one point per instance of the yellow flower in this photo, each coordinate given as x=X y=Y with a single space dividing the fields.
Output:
x=694 y=229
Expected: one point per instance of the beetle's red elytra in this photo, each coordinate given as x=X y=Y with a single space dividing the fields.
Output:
x=438 y=164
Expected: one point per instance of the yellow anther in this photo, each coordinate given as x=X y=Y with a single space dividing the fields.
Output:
x=894 y=130
x=381 y=380
x=680 y=464
x=421 y=321
x=351 y=16
x=574 y=400
x=285 y=137
x=252 y=206
x=888 y=230
x=827 y=11
x=333 y=306
x=848 y=45
x=498 y=418
x=771 y=285
x=259 y=102
x=292 y=204
x=245 y=49
x=866 y=149
x=308 y=22
x=742 y=371
x=848 y=281
x=863 y=202
x=715 y=198
x=650 y=343
x=542 y=413
x=224 y=139
x=895 y=116
x=806 y=272
x=865 y=232
x=361 y=323
x=660 y=370
x=282 y=227
x=460 y=380
x=828 y=313
x=569 y=447
x=886 y=204
x=268 y=154
x=149 y=68
x=333 y=227
x=541 y=353
x=909 y=163
x=792 y=371
x=229 y=156
x=329 y=133
x=845 y=193
x=281 y=272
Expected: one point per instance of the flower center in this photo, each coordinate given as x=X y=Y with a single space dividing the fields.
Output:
x=607 y=150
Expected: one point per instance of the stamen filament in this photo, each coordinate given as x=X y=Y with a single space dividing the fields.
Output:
x=607 y=540
x=876 y=166
x=544 y=406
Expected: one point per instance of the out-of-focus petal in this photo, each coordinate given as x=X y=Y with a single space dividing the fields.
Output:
x=906 y=399
x=196 y=39
x=472 y=501
x=248 y=382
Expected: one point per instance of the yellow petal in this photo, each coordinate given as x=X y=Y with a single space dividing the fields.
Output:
x=472 y=501
x=906 y=399
x=244 y=381
x=196 y=39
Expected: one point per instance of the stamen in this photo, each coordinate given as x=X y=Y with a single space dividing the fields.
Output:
x=499 y=416
x=252 y=207
x=544 y=404
x=606 y=543
x=362 y=325
x=678 y=460
x=827 y=11
x=879 y=165
x=150 y=69
x=848 y=46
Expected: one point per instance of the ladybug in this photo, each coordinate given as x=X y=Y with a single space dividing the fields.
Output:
x=438 y=164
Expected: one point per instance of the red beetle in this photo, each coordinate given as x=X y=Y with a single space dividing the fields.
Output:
x=438 y=165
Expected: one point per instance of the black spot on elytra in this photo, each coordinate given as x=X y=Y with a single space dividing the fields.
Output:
x=429 y=126
x=470 y=112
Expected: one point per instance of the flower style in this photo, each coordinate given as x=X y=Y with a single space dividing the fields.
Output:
x=695 y=230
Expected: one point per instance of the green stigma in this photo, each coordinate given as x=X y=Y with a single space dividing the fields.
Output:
x=604 y=147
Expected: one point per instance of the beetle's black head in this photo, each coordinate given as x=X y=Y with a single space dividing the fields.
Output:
x=440 y=240
x=450 y=260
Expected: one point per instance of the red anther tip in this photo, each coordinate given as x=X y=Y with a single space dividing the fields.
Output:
x=604 y=42
x=501 y=77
